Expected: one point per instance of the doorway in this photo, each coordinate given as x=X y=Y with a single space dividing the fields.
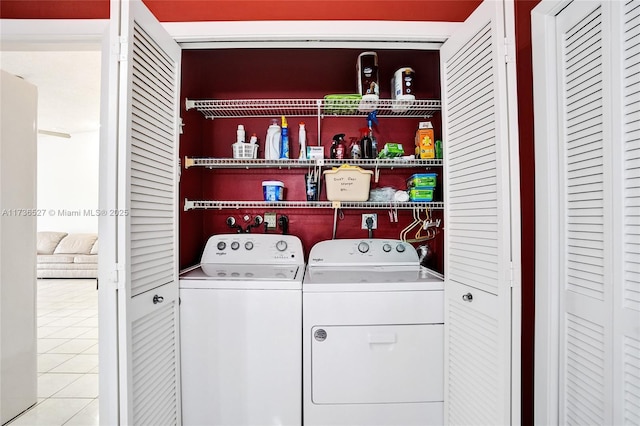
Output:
x=68 y=82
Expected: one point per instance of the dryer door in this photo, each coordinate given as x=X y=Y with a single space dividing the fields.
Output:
x=377 y=364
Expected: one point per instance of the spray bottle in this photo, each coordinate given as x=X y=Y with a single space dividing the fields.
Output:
x=338 y=148
x=356 y=152
x=302 y=140
x=284 y=144
x=366 y=145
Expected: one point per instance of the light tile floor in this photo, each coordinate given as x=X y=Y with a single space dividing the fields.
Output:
x=67 y=355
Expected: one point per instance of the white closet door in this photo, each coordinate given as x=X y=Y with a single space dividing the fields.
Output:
x=626 y=308
x=482 y=238
x=584 y=156
x=147 y=141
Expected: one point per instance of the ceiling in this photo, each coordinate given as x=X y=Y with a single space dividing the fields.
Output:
x=68 y=87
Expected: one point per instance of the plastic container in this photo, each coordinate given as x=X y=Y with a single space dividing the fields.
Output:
x=421 y=194
x=342 y=104
x=284 y=139
x=302 y=141
x=240 y=134
x=439 y=149
x=367 y=69
x=245 y=150
x=425 y=180
x=272 y=141
x=402 y=84
x=273 y=190
x=347 y=183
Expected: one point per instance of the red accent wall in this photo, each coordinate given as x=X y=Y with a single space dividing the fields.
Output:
x=257 y=10
x=59 y=9
x=254 y=10
x=411 y=10
x=527 y=198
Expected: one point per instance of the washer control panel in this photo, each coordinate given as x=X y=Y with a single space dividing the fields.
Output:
x=359 y=252
x=253 y=248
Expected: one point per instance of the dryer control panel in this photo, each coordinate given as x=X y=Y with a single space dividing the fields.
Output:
x=359 y=252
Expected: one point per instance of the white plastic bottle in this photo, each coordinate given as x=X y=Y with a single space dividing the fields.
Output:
x=272 y=141
x=240 y=134
x=302 y=140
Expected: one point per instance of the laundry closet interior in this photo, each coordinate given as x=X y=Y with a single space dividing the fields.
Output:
x=252 y=73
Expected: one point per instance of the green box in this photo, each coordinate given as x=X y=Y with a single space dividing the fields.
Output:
x=342 y=104
x=427 y=180
x=421 y=194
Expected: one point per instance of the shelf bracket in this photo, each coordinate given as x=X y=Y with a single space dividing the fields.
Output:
x=319 y=119
x=376 y=173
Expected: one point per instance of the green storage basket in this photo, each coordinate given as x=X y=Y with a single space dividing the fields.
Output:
x=342 y=104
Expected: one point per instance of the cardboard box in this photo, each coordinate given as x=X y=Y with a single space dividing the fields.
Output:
x=425 y=141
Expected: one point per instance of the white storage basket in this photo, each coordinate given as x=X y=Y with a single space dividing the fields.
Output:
x=245 y=150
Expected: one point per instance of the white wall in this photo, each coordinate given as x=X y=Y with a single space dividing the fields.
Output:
x=68 y=182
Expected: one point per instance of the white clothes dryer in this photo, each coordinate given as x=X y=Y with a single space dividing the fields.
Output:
x=240 y=325
x=373 y=336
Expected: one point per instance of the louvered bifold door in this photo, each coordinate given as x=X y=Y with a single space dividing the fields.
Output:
x=583 y=37
x=626 y=309
x=478 y=127
x=149 y=65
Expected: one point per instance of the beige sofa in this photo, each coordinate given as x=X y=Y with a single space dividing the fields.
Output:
x=63 y=255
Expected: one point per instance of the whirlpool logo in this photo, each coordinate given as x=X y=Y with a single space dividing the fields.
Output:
x=317 y=259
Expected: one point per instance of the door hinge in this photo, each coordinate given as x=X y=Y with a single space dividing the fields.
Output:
x=114 y=280
x=510 y=51
x=124 y=49
x=514 y=276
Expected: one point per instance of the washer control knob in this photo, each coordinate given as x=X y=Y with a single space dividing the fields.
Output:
x=386 y=247
x=363 y=247
x=222 y=245
x=281 y=245
x=248 y=245
x=400 y=248
x=235 y=245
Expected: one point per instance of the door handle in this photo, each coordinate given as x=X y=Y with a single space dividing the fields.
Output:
x=157 y=299
x=467 y=297
x=382 y=338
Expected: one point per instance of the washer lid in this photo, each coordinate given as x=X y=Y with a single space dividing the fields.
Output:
x=214 y=271
x=373 y=278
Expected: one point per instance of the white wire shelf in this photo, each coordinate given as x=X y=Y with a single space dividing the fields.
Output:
x=208 y=205
x=242 y=108
x=239 y=163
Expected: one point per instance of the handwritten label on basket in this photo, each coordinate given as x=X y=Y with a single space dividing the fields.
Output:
x=345 y=183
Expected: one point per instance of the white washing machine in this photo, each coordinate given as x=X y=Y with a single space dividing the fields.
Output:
x=373 y=336
x=240 y=328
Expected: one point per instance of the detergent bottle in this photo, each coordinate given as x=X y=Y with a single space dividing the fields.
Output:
x=284 y=141
x=272 y=141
